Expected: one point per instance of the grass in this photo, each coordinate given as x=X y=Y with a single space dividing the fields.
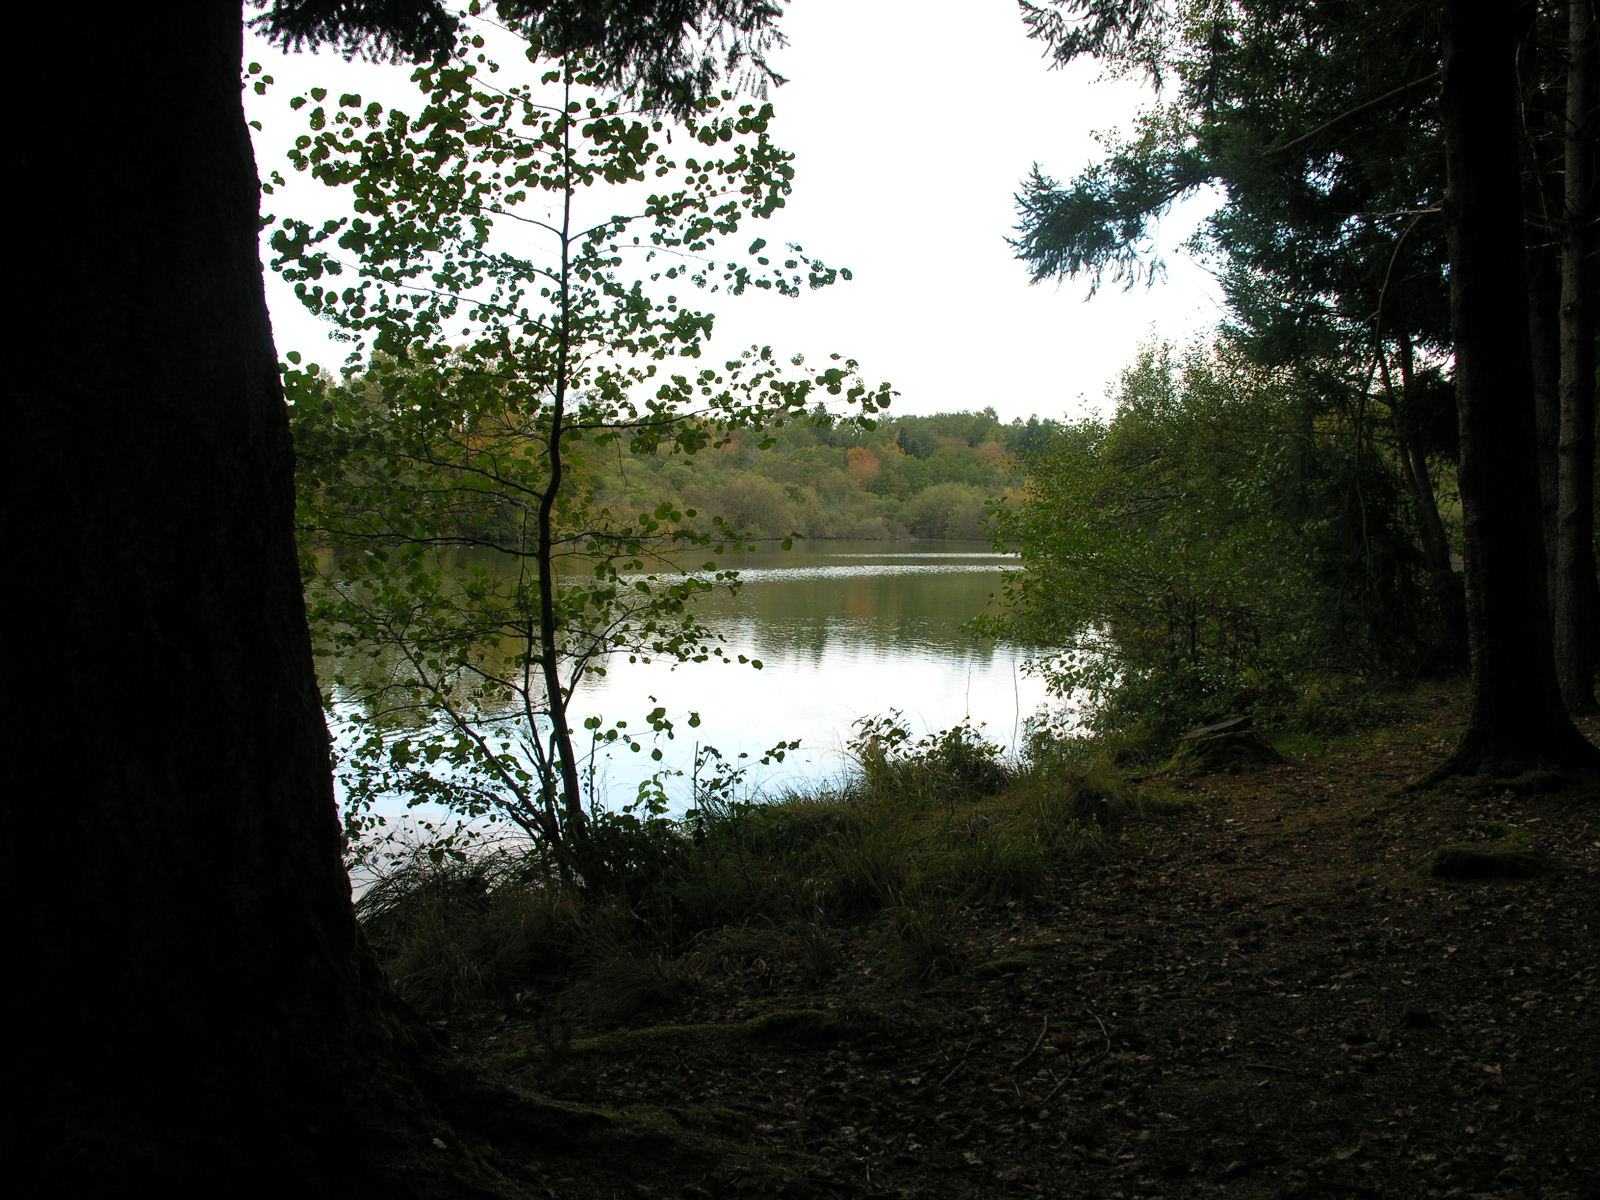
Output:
x=896 y=853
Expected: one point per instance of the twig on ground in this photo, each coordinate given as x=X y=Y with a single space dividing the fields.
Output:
x=1043 y=1029
x=960 y=1062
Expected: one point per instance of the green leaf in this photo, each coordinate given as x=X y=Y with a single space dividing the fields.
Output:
x=480 y=360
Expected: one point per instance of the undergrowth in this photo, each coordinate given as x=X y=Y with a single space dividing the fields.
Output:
x=1138 y=723
x=919 y=832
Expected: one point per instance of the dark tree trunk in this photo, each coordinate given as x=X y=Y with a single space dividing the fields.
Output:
x=1540 y=63
x=196 y=1001
x=1518 y=718
x=1576 y=605
x=1544 y=331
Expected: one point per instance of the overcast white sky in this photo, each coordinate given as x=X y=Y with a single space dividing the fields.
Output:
x=913 y=123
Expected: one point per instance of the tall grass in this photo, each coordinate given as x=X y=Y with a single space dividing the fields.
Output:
x=920 y=832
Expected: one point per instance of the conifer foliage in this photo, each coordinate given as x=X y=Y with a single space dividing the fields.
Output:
x=1322 y=129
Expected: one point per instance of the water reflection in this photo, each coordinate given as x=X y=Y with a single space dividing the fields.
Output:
x=843 y=631
x=823 y=597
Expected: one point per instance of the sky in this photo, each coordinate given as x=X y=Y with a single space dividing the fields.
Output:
x=913 y=124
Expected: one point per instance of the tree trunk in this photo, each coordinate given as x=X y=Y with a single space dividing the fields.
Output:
x=1544 y=331
x=1518 y=718
x=1576 y=605
x=1540 y=63
x=197 y=1005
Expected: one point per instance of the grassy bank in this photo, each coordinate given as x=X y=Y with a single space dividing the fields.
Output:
x=919 y=832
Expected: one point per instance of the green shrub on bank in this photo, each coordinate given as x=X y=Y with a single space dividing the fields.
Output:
x=937 y=768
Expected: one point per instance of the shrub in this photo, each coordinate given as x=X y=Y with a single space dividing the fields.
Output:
x=922 y=940
x=945 y=766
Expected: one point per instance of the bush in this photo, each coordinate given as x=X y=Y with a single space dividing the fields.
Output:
x=1210 y=552
x=452 y=930
x=951 y=764
x=996 y=864
x=921 y=940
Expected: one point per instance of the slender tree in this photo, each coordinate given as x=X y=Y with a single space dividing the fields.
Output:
x=500 y=199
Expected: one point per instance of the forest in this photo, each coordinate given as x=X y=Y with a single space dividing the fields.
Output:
x=934 y=476
x=1303 y=906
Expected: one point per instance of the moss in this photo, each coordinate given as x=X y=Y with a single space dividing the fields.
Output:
x=622 y=1042
x=803 y=1026
x=1012 y=965
x=1500 y=860
x=1235 y=752
x=662 y=1141
x=654 y=1037
x=800 y=1026
x=714 y=1118
x=1298 y=744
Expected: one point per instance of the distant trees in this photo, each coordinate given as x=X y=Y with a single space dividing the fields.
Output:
x=802 y=476
x=947 y=510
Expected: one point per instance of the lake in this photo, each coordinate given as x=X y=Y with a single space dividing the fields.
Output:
x=844 y=630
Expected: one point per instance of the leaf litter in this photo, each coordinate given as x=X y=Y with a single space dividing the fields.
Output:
x=1264 y=994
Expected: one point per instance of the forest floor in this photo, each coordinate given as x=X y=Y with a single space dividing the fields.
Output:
x=1263 y=993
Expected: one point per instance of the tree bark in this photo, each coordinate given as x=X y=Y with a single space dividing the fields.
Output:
x=1518 y=718
x=1540 y=63
x=1576 y=604
x=1544 y=331
x=198 y=1007
x=1444 y=585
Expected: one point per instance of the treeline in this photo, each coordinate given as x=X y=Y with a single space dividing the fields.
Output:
x=896 y=477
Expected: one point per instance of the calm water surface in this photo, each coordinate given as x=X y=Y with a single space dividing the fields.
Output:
x=844 y=630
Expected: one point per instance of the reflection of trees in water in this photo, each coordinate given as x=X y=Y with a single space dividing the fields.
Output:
x=914 y=614
x=818 y=640
x=842 y=636
x=820 y=603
